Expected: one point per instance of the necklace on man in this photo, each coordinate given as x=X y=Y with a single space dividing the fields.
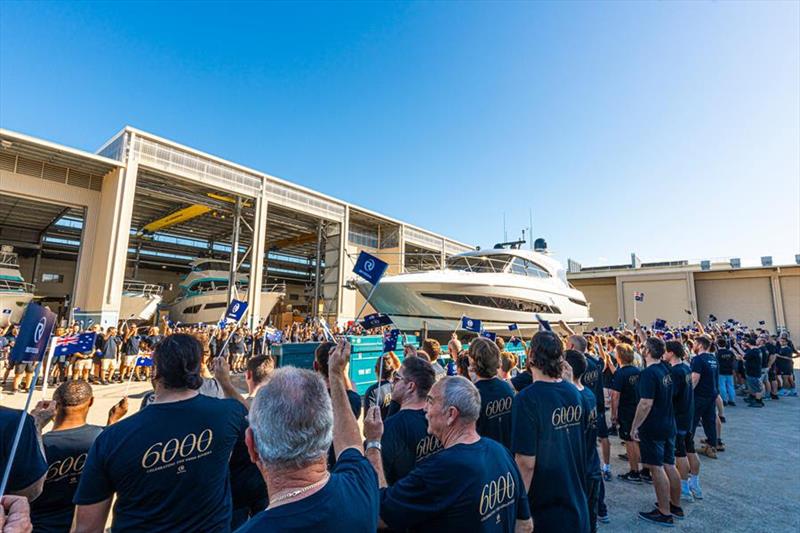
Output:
x=298 y=492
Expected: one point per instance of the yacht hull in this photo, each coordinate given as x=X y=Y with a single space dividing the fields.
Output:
x=209 y=307
x=16 y=302
x=138 y=306
x=437 y=300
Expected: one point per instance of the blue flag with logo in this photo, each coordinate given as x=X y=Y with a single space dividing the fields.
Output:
x=659 y=324
x=83 y=342
x=390 y=340
x=370 y=267
x=144 y=361
x=489 y=335
x=236 y=310
x=470 y=324
x=34 y=334
x=513 y=327
x=544 y=325
x=375 y=320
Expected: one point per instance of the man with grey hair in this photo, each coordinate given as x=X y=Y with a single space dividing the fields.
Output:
x=473 y=484
x=292 y=423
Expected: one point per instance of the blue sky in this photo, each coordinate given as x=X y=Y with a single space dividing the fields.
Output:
x=665 y=128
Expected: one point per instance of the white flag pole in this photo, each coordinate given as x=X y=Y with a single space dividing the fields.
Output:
x=372 y=290
x=50 y=354
x=130 y=378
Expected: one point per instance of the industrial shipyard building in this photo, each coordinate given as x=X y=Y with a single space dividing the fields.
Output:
x=137 y=215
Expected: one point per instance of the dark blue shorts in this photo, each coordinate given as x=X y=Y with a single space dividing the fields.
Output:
x=602 y=426
x=657 y=452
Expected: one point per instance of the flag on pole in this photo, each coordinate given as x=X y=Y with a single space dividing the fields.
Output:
x=375 y=320
x=390 y=340
x=370 y=267
x=34 y=334
x=471 y=324
x=144 y=361
x=638 y=296
x=513 y=327
x=659 y=324
x=236 y=310
x=544 y=325
x=83 y=342
x=489 y=335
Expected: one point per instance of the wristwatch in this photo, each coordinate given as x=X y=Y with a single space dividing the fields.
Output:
x=373 y=444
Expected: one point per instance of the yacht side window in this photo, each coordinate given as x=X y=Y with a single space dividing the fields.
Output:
x=535 y=270
x=518 y=267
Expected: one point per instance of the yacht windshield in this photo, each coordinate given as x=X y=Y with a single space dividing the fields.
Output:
x=477 y=263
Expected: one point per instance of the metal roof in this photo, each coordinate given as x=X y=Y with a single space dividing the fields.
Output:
x=55 y=154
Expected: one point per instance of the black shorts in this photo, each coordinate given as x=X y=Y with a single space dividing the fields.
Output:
x=625 y=422
x=602 y=426
x=684 y=443
x=785 y=370
x=771 y=374
x=657 y=452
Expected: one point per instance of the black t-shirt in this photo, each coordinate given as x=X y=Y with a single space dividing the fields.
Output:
x=348 y=502
x=168 y=465
x=466 y=487
x=785 y=365
x=28 y=464
x=726 y=360
x=655 y=383
x=495 y=420
x=765 y=356
x=66 y=451
x=625 y=382
x=406 y=441
x=752 y=362
x=590 y=412
x=682 y=396
x=549 y=423
x=131 y=346
x=705 y=364
x=383 y=395
x=593 y=379
x=521 y=380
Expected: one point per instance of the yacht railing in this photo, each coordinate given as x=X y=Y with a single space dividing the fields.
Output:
x=8 y=259
x=7 y=285
x=141 y=287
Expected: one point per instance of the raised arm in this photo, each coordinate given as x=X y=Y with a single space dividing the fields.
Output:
x=345 y=426
x=566 y=327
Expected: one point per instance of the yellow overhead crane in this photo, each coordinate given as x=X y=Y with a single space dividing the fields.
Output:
x=187 y=213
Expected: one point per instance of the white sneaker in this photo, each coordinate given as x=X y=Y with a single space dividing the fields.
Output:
x=686 y=495
x=697 y=492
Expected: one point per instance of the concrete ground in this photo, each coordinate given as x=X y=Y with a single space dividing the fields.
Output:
x=753 y=487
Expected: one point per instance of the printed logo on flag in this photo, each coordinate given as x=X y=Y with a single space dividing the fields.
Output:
x=489 y=335
x=144 y=361
x=638 y=296
x=376 y=320
x=34 y=334
x=236 y=310
x=471 y=324
x=513 y=327
x=370 y=267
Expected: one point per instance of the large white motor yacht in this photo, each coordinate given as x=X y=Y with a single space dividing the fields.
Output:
x=15 y=294
x=139 y=300
x=501 y=286
x=204 y=293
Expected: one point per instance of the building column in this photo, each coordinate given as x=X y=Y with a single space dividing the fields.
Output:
x=257 y=261
x=777 y=300
x=104 y=252
x=401 y=239
x=347 y=298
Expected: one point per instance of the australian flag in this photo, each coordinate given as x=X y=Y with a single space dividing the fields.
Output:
x=470 y=324
x=376 y=320
x=83 y=342
x=144 y=361
x=370 y=267
x=390 y=340
x=638 y=296
x=489 y=335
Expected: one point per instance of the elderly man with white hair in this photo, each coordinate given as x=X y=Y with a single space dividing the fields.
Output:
x=473 y=484
x=292 y=423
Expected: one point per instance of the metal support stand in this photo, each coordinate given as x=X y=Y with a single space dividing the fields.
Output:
x=317 y=271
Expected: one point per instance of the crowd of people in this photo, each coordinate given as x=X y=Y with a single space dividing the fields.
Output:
x=494 y=436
